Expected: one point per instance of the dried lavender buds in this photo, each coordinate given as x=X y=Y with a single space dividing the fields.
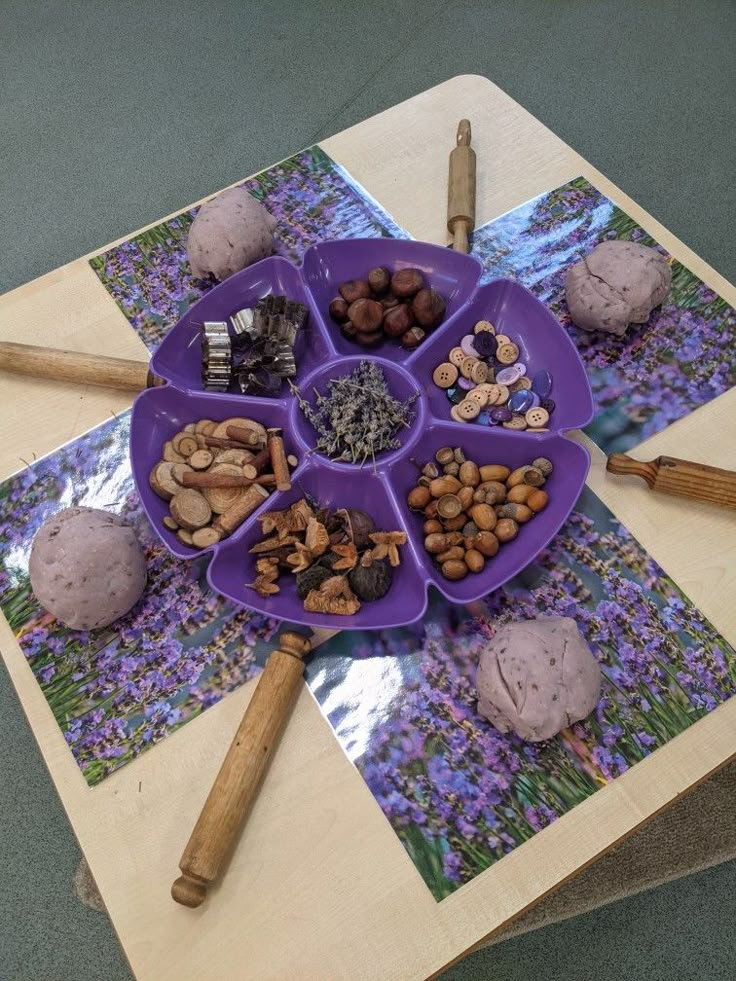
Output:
x=357 y=418
x=339 y=558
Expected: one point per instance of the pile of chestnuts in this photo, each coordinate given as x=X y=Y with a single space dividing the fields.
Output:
x=398 y=305
x=470 y=511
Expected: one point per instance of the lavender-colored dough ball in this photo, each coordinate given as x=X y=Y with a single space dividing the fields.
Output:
x=230 y=232
x=86 y=567
x=618 y=284
x=537 y=676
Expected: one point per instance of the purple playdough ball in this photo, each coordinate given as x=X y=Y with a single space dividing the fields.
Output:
x=230 y=232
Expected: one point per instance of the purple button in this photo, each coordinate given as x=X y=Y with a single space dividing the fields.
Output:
x=548 y=404
x=501 y=414
x=507 y=376
x=465 y=383
x=522 y=368
x=542 y=384
x=467 y=346
x=521 y=401
x=485 y=343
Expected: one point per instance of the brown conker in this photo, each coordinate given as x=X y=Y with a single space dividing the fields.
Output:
x=354 y=289
x=379 y=279
x=389 y=301
x=348 y=330
x=413 y=337
x=339 y=310
x=406 y=282
x=429 y=308
x=369 y=340
x=365 y=315
x=397 y=320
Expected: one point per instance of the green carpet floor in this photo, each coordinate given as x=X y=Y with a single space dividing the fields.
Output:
x=114 y=113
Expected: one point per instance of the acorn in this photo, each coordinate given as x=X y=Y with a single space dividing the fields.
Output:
x=370 y=580
x=311 y=578
x=379 y=279
x=428 y=308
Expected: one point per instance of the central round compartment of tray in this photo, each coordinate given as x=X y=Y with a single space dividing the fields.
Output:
x=401 y=385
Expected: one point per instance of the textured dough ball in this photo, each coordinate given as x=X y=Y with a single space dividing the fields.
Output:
x=230 y=232
x=618 y=284
x=86 y=567
x=536 y=677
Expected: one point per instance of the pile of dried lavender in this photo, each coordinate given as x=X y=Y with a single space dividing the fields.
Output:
x=357 y=417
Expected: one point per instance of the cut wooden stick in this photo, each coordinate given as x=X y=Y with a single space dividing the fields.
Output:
x=278 y=460
x=71 y=366
x=249 y=437
x=259 y=461
x=237 y=784
x=461 y=189
x=191 y=478
x=682 y=478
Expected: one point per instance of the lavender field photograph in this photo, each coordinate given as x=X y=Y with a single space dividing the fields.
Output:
x=115 y=692
x=657 y=372
x=459 y=794
x=313 y=199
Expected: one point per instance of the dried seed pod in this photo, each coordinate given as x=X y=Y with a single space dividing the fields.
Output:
x=533 y=477
x=444 y=485
x=338 y=310
x=537 y=500
x=366 y=316
x=465 y=495
x=354 y=289
x=459 y=455
x=519 y=494
x=484 y=516
x=449 y=506
x=479 y=495
x=516 y=476
x=454 y=524
x=418 y=498
x=370 y=580
x=424 y=481
x=506 y=529
x=454 y=569
x=397 y=320
x=444 y=455
x=431 y=527
x=474 y=560
x=379 y=279
x=412 y=338
x=406 y=283
x=454 y=552
x=493 y=471
x=429 y=308
x=431 y=470
x=435 y=543
x=470 y=529
x=451 y=469
x=469 y=474
x=486 y=543
x=519 y=512
x=543 y=464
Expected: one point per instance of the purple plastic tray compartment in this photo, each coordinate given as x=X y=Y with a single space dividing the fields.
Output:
x=542 y=341
x=178 y=358
x=511 y=449
x=401 y=385
x=160 y=413
x=334 y=487
x=329 y=264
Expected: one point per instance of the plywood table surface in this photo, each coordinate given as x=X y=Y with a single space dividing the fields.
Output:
x=319 y=886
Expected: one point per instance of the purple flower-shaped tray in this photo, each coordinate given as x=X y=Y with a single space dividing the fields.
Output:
x=159 y=413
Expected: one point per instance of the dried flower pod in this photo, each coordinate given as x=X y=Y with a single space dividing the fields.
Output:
x=316 y=538
x=309 y=579
x=432 y=527
x=444 y=455
x=365 y=315
x=379 y=279
x=370 y=580
x=406 y=283
x=300 y=559
x=338 y=310
x=454 y=569
x=418 y=498
x=397 y=320
x=317 y=602
x=506 y=529
x=387 y=545
x=428 y=307
x=354 y=289
x=346 y=556
x=413 y=337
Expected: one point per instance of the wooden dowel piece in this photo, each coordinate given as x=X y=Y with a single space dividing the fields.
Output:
x=682 y=478
x=191 y=478
x=248 y=437
x=71 y=366
x=233 y=518
x=259 y=461
x=278 y=460
x=236 y=786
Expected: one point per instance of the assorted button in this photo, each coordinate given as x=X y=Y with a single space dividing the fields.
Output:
x=485 y=382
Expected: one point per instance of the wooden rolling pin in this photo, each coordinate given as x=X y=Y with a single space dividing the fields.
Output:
x=71 y=366
x=680 y=477
x=236 y=785
x=461 y=189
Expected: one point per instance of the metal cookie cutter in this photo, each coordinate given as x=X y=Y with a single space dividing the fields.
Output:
x=217 y=356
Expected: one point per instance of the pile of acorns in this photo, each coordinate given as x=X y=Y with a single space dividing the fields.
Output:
x=339 y=558
x=471 y=510
x=386 y=305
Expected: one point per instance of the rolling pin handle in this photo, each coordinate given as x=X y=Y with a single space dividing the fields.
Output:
x=464 y=133
x=190 y=891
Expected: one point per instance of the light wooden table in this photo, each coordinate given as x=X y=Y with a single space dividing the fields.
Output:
x=320 y=887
